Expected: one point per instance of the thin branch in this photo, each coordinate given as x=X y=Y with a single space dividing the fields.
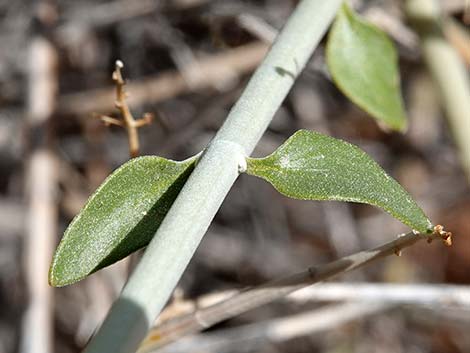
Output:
x=108 y=121
x=146 y=120
x=250 y=337
x=436 y=295
x=204 y=318
x=257 y=27
x=129 y=123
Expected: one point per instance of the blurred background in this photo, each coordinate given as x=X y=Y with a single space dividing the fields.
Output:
x=187 y=61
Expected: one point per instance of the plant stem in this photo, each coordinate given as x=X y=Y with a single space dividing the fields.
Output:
x=256 y=336
x=438 y=296
x=180 y=233
x=448 y=70
x=244 y=301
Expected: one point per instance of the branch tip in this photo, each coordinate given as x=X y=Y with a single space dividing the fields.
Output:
x=117 y=76
x=445 y=236
x=146 y=119
x=128 y=122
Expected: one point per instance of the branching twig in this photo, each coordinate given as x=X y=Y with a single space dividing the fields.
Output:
x=128 y=122
x=252 y=298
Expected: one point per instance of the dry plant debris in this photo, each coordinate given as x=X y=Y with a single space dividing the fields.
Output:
x=128 y=122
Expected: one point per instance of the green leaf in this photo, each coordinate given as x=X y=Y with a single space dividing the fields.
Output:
x=119 y=218
x=363 y=64
x=312 y=166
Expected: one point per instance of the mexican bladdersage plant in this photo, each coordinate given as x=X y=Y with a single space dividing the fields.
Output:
x=126 y=211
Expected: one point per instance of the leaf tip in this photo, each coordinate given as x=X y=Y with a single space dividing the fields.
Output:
x=56 y=280
x=57 y=277
x=403 y=127
x=399 y=124
x=52 y=279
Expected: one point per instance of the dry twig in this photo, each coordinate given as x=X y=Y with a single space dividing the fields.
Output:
x=435 y=295
x=128 y=122
x=252 y=336
x=204 y=318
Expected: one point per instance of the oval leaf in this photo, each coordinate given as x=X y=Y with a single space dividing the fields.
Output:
x=312 y=166
x=119 y=218
x=363 y=64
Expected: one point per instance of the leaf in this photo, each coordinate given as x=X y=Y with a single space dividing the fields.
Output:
x=119 y=218
x=363 y=64
x=312 y=166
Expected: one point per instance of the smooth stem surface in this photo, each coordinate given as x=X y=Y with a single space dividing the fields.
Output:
x=180 y=233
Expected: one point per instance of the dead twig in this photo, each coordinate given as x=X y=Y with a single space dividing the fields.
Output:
x=128 y=122
x=435 y=295
x=204 y=318
x=252 y=336
x=424 y=295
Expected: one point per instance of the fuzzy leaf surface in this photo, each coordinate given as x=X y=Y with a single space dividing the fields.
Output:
x=119 y=218
x=364 y=65
x=312 y=166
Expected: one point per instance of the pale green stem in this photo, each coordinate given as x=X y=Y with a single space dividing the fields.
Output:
x=448 y=71
x=180 y=233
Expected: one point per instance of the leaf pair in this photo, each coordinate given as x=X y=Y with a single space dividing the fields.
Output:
x=126 y=210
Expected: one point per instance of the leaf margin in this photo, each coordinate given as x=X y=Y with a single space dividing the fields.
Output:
x=255 y=164
x=53 y=278
x=345 y=12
